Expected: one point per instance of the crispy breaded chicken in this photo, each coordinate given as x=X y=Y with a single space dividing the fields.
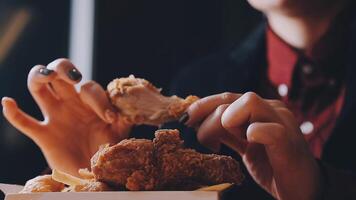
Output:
x=162 y=165
x=178 y=165
x=43 y=183
x=139 y=102
x=130 y=164
x=140 y=164
x=91 y=186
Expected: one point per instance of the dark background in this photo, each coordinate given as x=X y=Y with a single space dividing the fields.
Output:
x=151 y=39
x=154 y=39
x=43 y=39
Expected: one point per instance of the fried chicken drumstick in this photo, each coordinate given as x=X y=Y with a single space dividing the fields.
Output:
x=163 y=164
x=139 y=102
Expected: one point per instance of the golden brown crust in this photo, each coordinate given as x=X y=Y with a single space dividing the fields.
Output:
x=122 y=86
x=162 y=164
x=117 y=164
x=91 y=186
x=140 y=164
x=178 y=165
x=176 y=110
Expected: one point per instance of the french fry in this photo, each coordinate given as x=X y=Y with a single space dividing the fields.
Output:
x=219 y=187
x=67 y=179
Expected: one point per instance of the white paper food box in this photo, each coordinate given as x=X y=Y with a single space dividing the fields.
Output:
x=11 y=192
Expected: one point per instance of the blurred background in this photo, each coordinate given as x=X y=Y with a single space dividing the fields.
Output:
x=105 y=39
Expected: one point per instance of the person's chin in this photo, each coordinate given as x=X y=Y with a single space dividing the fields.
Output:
x=266 y=5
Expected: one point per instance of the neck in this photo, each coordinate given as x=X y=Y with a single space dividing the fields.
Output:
x=302 y=32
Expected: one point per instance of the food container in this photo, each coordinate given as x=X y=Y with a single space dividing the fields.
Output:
x=11 y=193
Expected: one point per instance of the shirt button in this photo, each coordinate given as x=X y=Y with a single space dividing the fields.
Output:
x=307 y=69
x=306 y=127
x=283 y=90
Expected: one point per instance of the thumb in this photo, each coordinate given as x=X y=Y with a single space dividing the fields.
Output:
x=19 y=119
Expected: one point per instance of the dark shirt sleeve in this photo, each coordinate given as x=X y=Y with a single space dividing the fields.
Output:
x=337 y=184
x=2 y=195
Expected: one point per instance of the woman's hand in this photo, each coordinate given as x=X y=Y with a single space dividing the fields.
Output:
x=266 y=135
x=75 y=124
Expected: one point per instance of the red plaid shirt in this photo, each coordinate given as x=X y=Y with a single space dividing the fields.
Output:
x=310 y=83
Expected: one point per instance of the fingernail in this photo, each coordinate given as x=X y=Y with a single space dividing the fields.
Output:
x=184 y=118
x=45 y=71
x=74 y=74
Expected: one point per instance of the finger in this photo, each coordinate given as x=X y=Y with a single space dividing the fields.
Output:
x=211 y=133
x=276 y=103
x=269 y=134
x=247 y=109
x=23 y=122
x=290 y=160
x=37 y=83
x=66 y=70
x=92 y=94
x=235 y=143
x=67 y=76
x=290 y=123
x=203 y=107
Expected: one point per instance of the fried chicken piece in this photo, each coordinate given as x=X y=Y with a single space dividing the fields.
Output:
x=139 y=102
x=178 y=165
x=43 y=183
x=91 y=186
x=128 y=163
x=162 y=165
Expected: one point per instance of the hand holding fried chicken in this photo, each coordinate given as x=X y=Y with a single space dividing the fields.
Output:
x=266 y=135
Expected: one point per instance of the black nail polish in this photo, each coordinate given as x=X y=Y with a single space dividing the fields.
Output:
x=45 y=71
x=74 y=74
x=184 y=118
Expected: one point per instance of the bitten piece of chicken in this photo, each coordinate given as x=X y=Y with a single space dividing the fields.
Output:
x=139 y=102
